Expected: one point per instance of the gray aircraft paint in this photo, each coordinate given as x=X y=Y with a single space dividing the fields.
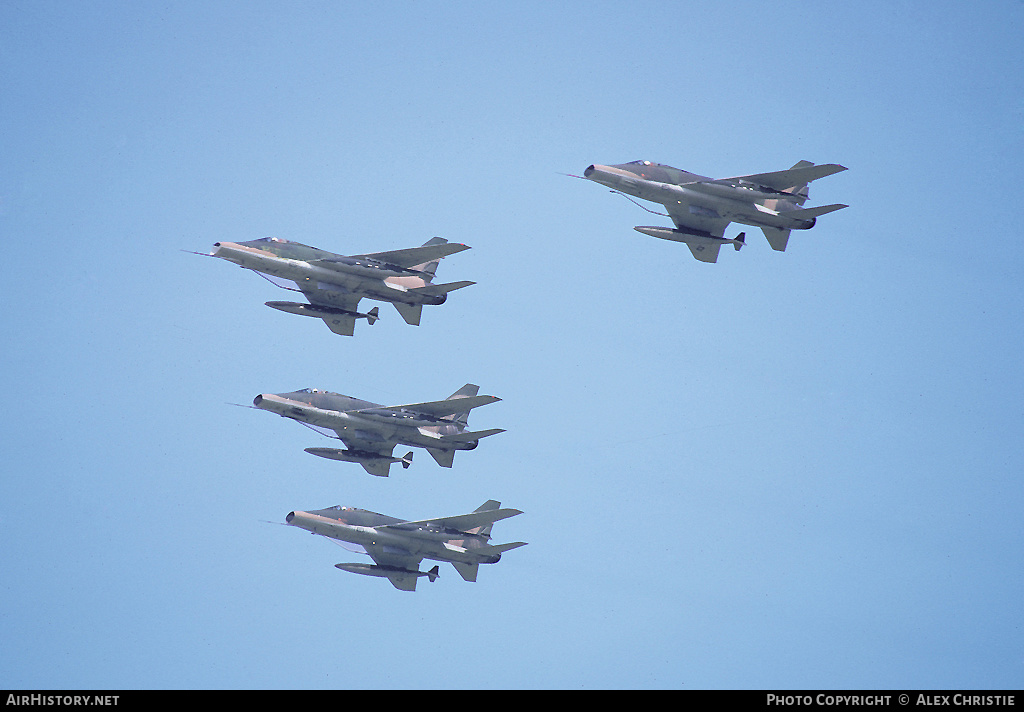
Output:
x=371 y=431
x=334 y=284
x=397 y=546
x=702 y=207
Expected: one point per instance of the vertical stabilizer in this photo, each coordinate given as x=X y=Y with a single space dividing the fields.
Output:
x=429 y=268
x=466 y=391
x=800 y=193
x=485 y=530
x=803 y=190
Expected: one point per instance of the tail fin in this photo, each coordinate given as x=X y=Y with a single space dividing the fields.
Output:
x=429 y=268
x=466 y=391
x=802 y=191
x=738 y=241
x=433 y=573
x=372 y=315
x=469 y=571
x=487 y=506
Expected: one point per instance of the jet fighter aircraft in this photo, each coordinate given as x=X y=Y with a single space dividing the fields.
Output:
x=370 y=431
x=397 y=546
x=702 y=207
x=334 y=284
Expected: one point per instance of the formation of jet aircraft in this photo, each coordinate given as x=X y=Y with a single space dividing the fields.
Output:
x=334 y=284
x=371 y=431
x=398 y=546
x=702 y=207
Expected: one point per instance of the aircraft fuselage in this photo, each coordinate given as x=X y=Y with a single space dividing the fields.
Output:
x=364 y=420
x=295 y=262
x=746 y=204
x=361 y=527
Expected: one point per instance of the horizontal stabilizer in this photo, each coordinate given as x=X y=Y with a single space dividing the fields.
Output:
x=777 y=237
x=499 y=548
x=811 y=213
x=410 y=312
x=436 y=290
x=444 y=458
x=471 y=436
x=466 y=571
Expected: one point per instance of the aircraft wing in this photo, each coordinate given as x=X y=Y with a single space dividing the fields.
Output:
x=461 y=522
x=344 y=324
x=394 y=562
x=321 y=294
x=797 y=176
x=331 y=295
x=384 y=448
x=696 y=219
x=446 y=407
x=705 y=251
x=413 y=256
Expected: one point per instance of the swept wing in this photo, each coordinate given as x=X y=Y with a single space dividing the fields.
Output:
x=394 y=561
x=442 y=408
x=782 y=180
x=705 y=251
x=698 y=220
x=460 y=522
x=413 y=256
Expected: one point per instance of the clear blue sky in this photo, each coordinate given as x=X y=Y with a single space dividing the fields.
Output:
x=784 y=470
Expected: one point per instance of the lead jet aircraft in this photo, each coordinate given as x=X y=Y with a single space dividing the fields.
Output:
x=370 y=431
x=334 y=284
x=397 y=546
x=702 y=207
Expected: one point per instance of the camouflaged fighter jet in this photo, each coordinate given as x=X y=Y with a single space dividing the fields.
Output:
x=397 y=546
x=371 y=431
x=702 y=207
x=334 y=284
